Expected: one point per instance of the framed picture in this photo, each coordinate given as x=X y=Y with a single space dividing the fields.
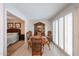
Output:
x=17 y=25
x=10 y=25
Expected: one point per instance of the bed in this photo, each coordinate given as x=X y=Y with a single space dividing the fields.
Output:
x=12 y=36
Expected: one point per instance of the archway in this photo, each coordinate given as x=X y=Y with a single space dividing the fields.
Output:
x=39 y=26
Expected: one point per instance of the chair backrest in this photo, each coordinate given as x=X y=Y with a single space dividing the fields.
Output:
x=36 y=47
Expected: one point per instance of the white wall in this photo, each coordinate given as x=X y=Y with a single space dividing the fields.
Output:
x=3 y=24
x=31 y=22
x=2 y=29
x=76 y=31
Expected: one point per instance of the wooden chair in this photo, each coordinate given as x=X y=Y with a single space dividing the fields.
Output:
x=49 y=37
x=36 y=47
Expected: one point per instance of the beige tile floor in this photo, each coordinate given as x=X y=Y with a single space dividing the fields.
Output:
x=24 y=51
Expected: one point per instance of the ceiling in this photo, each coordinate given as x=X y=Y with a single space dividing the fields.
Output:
x=39 y=10
x=12 y=17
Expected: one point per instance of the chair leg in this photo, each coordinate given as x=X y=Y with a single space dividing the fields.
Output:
x=48 y=43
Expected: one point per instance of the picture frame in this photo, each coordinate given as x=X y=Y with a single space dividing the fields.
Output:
x=10 y=25
x=17 y=25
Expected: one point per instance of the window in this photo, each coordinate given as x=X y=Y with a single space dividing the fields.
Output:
x=54 y=31
x=61 y=40
x=68 y=33
x=62 y=33
x=57 y=32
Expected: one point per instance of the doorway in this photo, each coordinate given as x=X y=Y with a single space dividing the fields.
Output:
x=15 y=33
x=39 y=27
